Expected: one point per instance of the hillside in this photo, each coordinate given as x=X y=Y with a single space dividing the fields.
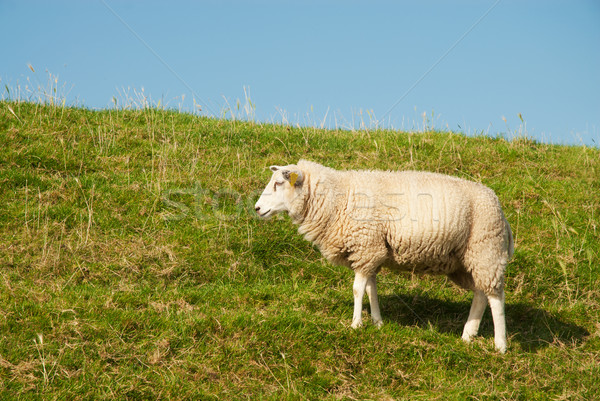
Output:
x=133 y=267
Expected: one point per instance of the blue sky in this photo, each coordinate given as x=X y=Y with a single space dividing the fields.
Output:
x=467 y=65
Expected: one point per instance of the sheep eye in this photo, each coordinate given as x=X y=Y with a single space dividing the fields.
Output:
x=275 y=185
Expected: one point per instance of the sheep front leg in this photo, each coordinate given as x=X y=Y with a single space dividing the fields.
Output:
x=374 y=301
x=360 y=283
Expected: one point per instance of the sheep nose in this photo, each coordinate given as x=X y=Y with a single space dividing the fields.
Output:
x=257 y=208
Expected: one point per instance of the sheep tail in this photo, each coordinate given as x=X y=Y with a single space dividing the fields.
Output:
x=511 y=243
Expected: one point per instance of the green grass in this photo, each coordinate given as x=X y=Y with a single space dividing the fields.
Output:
x=132 y=267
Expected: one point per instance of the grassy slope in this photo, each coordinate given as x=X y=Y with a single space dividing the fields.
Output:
x=132 y=267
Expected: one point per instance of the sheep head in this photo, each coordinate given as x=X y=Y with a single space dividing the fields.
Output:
x=283 y=188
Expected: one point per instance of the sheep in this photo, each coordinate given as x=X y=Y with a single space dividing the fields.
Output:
x=413 y=221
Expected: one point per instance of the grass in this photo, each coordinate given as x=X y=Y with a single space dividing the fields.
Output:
x=132 y=267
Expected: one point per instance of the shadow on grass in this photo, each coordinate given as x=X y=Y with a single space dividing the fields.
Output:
x=531 y=327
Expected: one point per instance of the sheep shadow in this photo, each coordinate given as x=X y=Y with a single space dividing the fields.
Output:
x=531 y=327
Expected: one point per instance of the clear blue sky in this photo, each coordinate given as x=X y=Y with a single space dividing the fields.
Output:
x=470 y=63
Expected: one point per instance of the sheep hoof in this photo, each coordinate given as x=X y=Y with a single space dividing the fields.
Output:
x=467 y=338
x=501 y=348
x=378 y=323
x=356 y=324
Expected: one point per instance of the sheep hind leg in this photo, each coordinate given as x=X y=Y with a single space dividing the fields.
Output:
x=477 y=309
x=497 y=306
x=360 y=284
x=374 y=301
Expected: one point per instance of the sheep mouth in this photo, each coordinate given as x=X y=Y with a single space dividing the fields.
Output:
x=263 y=215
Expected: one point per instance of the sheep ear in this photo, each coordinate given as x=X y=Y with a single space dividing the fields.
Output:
x=295 y=177
x=274 y=168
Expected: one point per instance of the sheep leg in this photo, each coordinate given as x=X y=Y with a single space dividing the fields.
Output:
x=477 y=309
x=360 y=283
x=374 y=301
x=497 y=306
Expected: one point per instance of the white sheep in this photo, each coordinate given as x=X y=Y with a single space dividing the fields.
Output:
x=411 y=221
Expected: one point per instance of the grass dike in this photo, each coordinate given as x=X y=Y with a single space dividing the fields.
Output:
x=132 y=266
